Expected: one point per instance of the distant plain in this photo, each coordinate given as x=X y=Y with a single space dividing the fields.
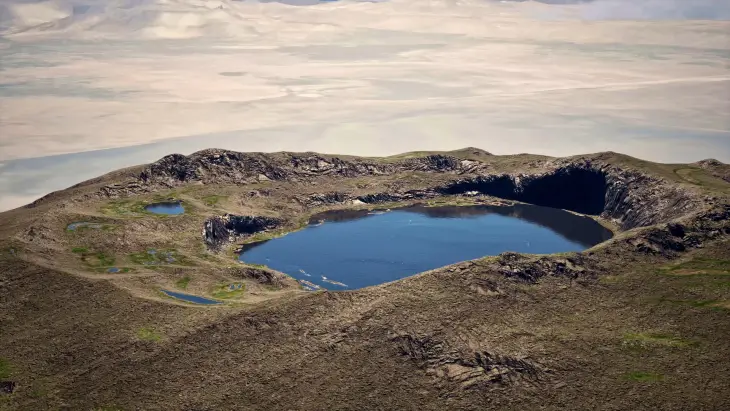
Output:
x=89 y=86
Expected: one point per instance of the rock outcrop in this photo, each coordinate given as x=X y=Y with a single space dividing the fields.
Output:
x=218 y=231
x=263 y=276
x=334 y=197
x=465 y=370
x=632 y=198
x=398 y=196
x=716 y=168
x=530 y=270
x=7 y=387
x=221 y=166
x=667 y=240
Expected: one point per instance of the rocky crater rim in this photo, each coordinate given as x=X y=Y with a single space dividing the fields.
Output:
x=605 y=184
x=610 y=186
x=589 y=186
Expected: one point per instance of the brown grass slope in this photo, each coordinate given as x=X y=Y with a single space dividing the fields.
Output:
x=637 y=323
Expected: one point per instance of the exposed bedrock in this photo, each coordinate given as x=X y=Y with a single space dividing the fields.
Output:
x=221 y=230
x=334 y=197
x=222 y=166
x=715 y=168
x=390 y=197
x=337 y=198
x=630 y=197
x=466 y=368
x=667 y=240
x=262 y=276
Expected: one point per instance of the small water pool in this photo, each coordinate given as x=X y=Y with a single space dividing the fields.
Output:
x=191 y=298
x=350 y=249
x=167 y=207
x=113 y=270
x=84 y=224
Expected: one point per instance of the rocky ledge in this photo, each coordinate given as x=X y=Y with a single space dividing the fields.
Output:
x=218 y=231
x=228 y=167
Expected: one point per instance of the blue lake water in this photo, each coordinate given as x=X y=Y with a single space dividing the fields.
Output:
x=353 y=249
x=83 y=224
x=168 y=207
x=191 y=298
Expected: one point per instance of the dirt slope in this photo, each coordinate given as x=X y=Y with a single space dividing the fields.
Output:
x=639 y=322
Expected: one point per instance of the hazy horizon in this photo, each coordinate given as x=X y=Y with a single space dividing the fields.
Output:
x=139 y=79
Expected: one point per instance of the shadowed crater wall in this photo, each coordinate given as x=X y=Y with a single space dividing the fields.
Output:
x=575 y=189
x=220 y=230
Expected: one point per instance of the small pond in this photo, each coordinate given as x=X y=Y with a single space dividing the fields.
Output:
x=351 y=249
x=167 y=207
x=191 y=298
x=84 y=224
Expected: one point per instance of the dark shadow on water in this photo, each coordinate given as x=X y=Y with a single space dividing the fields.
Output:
x=342 y=215
x=582 y=230
x=250 y=246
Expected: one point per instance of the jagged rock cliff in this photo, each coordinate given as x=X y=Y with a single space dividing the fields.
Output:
x=220 y=166
x=221 y=230
x=632 y=198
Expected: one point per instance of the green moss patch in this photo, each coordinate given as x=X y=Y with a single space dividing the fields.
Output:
x=5 y=368
x=205 y=256
x=707 y=303
x=100 y=259
x=93 y=258
x=129 y=208
x=712 y=304
x=171 y=196
x=649 y=340
x=699 y=266
x=699 y=177
x=142 y=257
x=154 y=257
x=80 y=227
x=705 y=280
x=642 y=376
x=213 y=200
x=183 y=282
x=609 y=279
x=228 y=291
x=148 y=334
x=11 y=251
